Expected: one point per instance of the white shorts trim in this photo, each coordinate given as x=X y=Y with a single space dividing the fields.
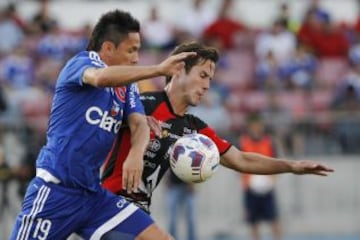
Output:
x=37 y=206
x=46 y=176
x=114 y=221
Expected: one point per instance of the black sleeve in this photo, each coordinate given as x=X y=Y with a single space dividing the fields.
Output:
x=151 y=100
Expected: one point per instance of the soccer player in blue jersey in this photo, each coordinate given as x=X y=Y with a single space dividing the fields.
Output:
x=94 y=93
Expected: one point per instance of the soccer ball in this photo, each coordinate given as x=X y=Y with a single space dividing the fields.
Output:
x=194 y=158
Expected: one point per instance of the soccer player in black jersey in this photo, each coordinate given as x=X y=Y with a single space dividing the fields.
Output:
x=170 y=107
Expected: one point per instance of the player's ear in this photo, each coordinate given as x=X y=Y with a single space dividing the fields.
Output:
x=107 y=46
x=178 y=74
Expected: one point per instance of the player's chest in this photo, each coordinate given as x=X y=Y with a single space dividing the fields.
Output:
x=113 y=101
x=172 y=129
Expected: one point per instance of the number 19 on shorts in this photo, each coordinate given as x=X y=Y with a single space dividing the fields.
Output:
x=42 y=229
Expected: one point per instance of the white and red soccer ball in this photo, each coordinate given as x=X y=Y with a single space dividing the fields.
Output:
x=194 y=158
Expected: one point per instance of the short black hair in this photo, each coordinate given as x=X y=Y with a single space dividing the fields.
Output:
x=253 y=117
x=203 y=53
x=113 y=26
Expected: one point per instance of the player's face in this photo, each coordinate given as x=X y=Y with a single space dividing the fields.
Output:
x=127 y=52
x=197 y=82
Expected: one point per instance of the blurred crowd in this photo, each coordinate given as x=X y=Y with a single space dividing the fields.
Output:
x=303 y=77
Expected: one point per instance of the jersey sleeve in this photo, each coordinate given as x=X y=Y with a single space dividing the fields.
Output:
x=133 y=103
x=222 y=144
x=150 y=100
x=75 y=68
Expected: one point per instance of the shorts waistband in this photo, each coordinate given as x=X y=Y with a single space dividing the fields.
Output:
x=46 y=176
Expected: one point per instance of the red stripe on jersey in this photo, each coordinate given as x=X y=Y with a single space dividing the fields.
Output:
x=163 y=112
x=221 y=143
x=115 y=162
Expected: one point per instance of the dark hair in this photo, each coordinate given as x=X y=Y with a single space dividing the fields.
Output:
x=203 y=53
x=253 y=117
x=113 y=26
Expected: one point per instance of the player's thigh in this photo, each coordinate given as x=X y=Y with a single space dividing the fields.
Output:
x=111 y=213
x=154 y=232
x=48 y=212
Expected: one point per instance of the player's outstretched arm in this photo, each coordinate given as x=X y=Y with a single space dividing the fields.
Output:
x=310 y=167
x=249 y=162
x=119 y=75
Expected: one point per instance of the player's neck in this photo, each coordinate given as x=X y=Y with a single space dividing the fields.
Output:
x=103 y=58
x=176 y=100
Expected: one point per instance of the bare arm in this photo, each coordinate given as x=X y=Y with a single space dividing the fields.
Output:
x=133 y=165
x=249 y=162
x=115 y=76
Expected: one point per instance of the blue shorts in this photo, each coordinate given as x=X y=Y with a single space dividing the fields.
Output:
x=260 y=207
x=52 y=211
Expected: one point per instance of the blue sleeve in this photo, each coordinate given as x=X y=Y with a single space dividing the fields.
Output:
x=133 y=103
x=74 y=69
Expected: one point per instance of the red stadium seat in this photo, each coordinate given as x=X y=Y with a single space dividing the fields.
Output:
x=330 y=71
x=254 y=101
x=237 y=120
x=234 y=101
x=239 y=70
x=294 y=101
x=320 y=100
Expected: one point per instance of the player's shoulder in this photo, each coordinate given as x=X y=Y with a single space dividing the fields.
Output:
x=87 y=57
x=195 y=120
x=80 y=55
x=77 y=59
x=153 y=98
x=152 y=95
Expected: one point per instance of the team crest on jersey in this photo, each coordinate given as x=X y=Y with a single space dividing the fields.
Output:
x=164 y=133
x=115 y=109
x=120 y=93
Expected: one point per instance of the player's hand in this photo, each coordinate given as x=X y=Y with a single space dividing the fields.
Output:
x=174 y=64
x=309 y=167
x=154 y=125
x=132 y=172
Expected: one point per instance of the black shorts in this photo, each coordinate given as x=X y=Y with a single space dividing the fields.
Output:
x=260 y=207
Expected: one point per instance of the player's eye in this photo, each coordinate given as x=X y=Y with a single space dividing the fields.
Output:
x=132 y=50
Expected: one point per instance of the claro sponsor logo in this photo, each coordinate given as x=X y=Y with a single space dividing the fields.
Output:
x=96 y=116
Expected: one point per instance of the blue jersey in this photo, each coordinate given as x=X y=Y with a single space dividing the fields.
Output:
x=65 y=196
x=83 y=123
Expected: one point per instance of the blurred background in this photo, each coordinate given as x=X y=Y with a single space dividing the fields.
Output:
x=294 y=63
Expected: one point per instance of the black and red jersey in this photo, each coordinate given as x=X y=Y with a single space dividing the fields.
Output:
x=156 y=158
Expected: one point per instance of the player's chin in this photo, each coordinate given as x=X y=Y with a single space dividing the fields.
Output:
x=194 y=103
